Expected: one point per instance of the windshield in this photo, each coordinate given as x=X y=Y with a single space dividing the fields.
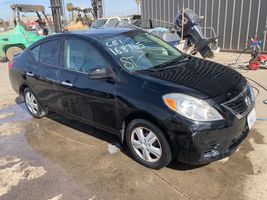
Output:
x=98 y=23
x=137 y=51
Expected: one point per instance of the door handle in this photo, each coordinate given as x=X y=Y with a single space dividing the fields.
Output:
x=67 y=84
x=30 y=74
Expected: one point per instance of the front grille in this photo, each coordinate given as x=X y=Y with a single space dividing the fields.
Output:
x=242 y=103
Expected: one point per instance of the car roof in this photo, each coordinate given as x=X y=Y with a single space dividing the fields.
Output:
x=103 y=32
x=95 y=34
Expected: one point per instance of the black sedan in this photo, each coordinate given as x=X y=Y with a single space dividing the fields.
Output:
x=162 y=103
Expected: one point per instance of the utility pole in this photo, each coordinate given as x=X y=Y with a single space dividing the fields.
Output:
x=100 y=8
x=138 y=5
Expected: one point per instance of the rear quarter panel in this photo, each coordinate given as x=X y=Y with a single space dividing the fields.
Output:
x=17 y=72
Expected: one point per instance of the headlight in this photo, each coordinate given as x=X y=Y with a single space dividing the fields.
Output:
x=191 y=107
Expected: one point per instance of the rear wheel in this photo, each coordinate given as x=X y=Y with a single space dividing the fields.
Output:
x=11 y=51
x=147 y=144
x=32 y=104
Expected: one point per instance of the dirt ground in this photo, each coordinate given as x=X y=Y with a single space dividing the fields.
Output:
x=57 y=158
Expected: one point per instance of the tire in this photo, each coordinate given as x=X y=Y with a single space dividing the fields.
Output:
x=154 y=151
x=11 y=51
x=33 y=105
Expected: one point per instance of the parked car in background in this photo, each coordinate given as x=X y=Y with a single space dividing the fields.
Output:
x=165 y=30
x=160 y=102
x=113 y=21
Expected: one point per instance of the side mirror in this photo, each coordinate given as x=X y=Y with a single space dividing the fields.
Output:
x=99 y=73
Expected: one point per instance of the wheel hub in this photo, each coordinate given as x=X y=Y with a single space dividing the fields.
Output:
x=146 y=144
x=31 y=103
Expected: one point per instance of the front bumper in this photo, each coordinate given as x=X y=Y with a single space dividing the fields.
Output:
x=208 y=142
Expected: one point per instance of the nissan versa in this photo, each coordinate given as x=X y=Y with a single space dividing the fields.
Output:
x=162 y=103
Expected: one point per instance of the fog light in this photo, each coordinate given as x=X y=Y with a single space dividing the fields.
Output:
x=211 y=149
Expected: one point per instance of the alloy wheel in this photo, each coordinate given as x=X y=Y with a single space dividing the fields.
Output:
x=146 y=144
x=31 y=103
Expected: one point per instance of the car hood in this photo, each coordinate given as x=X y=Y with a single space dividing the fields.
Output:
x=207 y=77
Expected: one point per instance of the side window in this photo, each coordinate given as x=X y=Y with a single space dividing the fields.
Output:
x=36 y=53
x=49 y=52
x=81 y=56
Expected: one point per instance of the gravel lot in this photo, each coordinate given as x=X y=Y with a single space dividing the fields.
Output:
x=58 y=158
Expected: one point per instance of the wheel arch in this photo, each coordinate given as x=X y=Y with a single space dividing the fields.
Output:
x=6 y=47
x=40 y=111
x=22 y=88
x=145 y=116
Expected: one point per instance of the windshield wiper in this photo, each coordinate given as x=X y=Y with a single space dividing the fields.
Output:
x=147 y=70
x=172 y=63
x=167 y=65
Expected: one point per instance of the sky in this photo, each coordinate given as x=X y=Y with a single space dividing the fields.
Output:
x=111 y=7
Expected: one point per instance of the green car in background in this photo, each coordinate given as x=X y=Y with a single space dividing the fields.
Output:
x=20 y=37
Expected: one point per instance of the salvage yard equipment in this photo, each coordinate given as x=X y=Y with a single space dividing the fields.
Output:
x=188 y=24
x=79 y=21
x=257 y=61
x=44 y=23
x=20 y=36
x=193 y=39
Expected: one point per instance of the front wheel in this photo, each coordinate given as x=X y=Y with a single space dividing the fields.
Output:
x=147 y=144
x=32 y=104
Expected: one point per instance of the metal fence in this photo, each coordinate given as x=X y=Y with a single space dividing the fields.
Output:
x=233 y=20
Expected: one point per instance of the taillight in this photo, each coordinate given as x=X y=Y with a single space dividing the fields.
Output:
x=10 y=64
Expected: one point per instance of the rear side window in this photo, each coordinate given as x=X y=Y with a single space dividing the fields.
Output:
x=49 y=53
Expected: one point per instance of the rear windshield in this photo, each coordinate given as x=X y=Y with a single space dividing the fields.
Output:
x=140 y=51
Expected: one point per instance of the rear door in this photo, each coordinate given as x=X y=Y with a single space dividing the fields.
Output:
x=31 y=66
x=92 y=100
x=43 y=71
